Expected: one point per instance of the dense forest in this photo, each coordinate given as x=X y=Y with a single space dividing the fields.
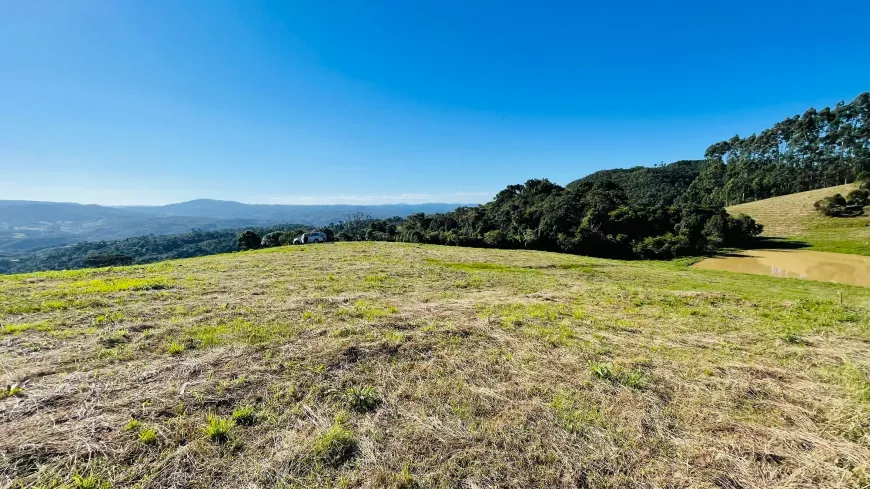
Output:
x=597 y=219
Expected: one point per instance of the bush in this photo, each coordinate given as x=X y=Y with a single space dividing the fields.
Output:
x=245 y=416
x=272 y=239
x=838 y=206
x=330 y=235
x=662 y=247
x=495 y=239
x=860 y=196
x=249 y=240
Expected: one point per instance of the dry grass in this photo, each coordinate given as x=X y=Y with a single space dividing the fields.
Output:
x=793 y=216
x=450 y=368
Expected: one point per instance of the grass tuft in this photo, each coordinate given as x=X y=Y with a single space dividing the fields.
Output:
x=148 y=436
x=175 y=348
x=336 y=445
x=90 y=481
x=10 y=392
x=218 y=429
x=362 y=399
x=245 y=416
x=133 y=425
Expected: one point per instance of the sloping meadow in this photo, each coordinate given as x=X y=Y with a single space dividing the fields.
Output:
x=399 y=365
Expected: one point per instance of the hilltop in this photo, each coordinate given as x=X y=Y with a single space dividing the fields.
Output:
x=405 y=365
x=794 y=217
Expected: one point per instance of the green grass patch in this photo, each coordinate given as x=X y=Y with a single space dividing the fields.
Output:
x=217 y=429
x=245 y=416
x=335 y=446
x=368 y=310
x=20 y=328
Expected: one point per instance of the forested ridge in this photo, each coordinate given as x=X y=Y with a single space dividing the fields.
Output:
x=141 y=249
x=661 y=212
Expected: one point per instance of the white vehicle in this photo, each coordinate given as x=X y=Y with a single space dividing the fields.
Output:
x=315 y=237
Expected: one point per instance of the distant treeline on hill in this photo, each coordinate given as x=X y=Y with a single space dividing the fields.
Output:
x=142 y=249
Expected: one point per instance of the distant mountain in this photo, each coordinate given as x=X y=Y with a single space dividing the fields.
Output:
x=27 y=226
x=316 y=215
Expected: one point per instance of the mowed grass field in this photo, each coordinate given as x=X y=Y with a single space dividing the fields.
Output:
x=400 y=365
x=794 y=217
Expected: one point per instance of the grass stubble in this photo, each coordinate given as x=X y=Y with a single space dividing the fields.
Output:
x=398 y=365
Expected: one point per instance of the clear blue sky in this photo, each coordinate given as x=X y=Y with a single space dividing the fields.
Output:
x=158 y=101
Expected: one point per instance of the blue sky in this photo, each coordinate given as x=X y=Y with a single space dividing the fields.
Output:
x=158 y=101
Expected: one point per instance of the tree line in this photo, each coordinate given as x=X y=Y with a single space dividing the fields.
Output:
x=818 y=149
x=596 y=219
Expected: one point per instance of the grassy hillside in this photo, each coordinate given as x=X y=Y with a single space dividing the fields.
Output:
x=399 y=365
x=793 y=217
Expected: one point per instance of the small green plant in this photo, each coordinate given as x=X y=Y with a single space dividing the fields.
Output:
x=633 y=379
x=336 y=445
x=405 y=479
x=10 y=391
x=245 y=416
x=176 y=348
x=218 y=428
x=601 y=370
x=133 y=425
x=362 y=399
x=89 y=482
x=148 y=436
x=628 y=378
x=793 y=337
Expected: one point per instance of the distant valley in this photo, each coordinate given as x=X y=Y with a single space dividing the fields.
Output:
x=27 y=225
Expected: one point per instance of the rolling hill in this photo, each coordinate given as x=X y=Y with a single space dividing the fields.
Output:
x=401 y=365
x=28 y=226
x=794 y=217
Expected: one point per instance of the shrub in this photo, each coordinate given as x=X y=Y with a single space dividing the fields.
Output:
x=10 y=391
x=837 y=206
x=218 y=429
x=249 y=240
x=271 y=240
x=330 y=235
x=859 y=196
x=495 y=239
x=633 y=379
